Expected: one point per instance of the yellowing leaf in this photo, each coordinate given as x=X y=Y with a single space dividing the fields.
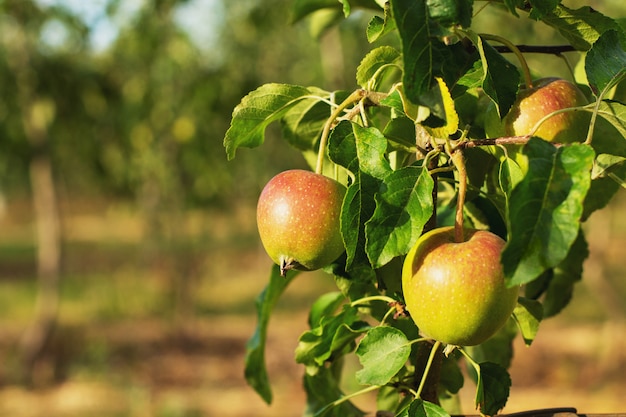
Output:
x=452 y=118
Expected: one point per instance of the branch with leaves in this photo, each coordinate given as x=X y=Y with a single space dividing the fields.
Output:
x=425 y=141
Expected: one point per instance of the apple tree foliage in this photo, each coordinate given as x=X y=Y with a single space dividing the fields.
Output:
x=424 y=87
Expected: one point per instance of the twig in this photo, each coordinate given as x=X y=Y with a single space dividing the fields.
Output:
x=537 y=49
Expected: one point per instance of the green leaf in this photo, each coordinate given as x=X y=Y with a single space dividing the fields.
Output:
x=257 y=110
x=542 y=7
x=561 y=286
x=255 y=370
x=501 y=90
x=379 y=27
x=451 y=378
x=447 y=15
x=382 y=352
x=302 y=8
x=388 y=399
x=359 y=149
x=528 y=314
x=302 y=124
x=603 y=165
x=545 y=209
x=581 y=27
x=498 y=348
x=605 y=63
x=322 y=389
x=421 y=408
x=322 y=20
x=512 y=6
x=600 y=194
x=411 y=19
x=613 y=112
x=492 y=391
x=509 y=175
x=374 y=65
x=325 y=306
x=363 y=152
x=401 y=132
x=332 y=334
x=403 y=207
x=441 y=104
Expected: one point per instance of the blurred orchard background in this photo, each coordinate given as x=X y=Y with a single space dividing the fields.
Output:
x=129 y=260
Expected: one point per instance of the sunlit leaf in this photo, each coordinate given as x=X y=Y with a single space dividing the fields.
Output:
x=257 y=110
x=325 y=306
x=545 y=209
x=382 y=352
x=603 y=164
x=255 y=369
x=581 y=27
x=373 y=66
x=528 y=314
x=402 y=208
x=380 y=26
x=362 y=151
x=448 y=112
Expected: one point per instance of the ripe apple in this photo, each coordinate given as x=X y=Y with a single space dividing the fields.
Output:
x=455 y=291
x=546 y=96
x=298 y=216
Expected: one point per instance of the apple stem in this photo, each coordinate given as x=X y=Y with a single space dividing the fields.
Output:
x=433 y=352
x=513 y=48
x=354 y=97
x=471 y=360
x=459 y=163
x=592 y=123
x=366 y=300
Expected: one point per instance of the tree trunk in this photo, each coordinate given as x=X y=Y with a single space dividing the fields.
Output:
x=48 y=238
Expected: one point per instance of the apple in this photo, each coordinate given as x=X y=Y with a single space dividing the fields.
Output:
x=298 y=216
x=546 y=96
x=455 y=291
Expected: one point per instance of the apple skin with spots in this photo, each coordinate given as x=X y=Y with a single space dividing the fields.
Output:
x=546 y=96
x=455 y=292
x=298 y=218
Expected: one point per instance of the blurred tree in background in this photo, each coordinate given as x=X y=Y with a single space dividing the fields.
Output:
x=142 y=117
x=130 y=100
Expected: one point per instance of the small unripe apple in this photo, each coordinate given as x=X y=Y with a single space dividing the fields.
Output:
x=455 y=291
x=298 y=215
x=546 y=96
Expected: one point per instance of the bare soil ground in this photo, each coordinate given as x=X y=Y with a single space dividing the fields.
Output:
x=151 y=365
x=149 y=369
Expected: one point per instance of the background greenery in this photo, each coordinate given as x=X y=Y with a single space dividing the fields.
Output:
x=160 y=258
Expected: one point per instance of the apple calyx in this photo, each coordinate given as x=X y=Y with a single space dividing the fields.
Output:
x=287 y=264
